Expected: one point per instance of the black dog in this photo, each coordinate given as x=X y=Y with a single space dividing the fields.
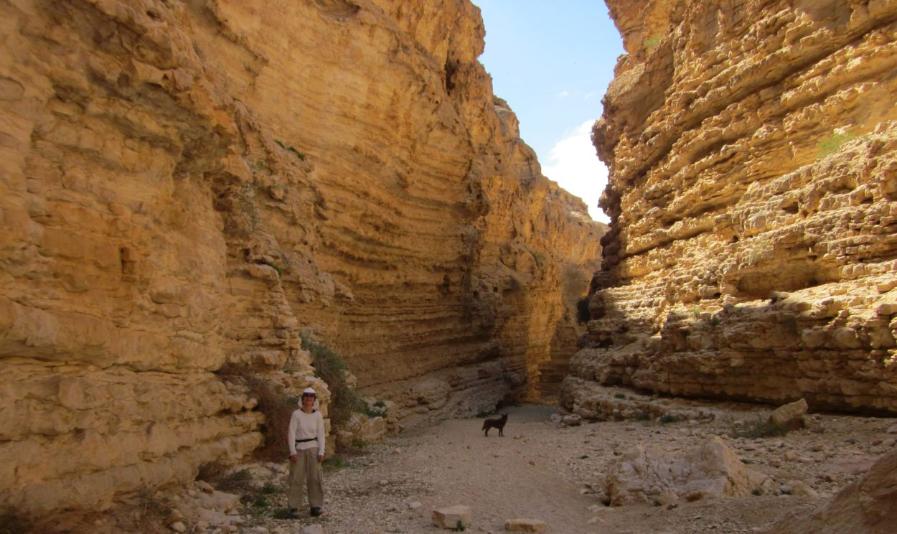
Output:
x=496 y=422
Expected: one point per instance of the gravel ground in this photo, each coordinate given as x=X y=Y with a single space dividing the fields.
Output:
x=545 y=471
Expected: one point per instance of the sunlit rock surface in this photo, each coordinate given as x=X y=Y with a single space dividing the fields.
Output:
x=753 y=155
x=185 y=186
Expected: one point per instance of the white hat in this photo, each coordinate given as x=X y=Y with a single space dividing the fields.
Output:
x=309 y=391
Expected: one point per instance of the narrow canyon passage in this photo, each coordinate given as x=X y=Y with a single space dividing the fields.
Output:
x=208 y=206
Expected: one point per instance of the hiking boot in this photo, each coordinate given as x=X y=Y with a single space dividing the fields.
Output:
x=315 y=511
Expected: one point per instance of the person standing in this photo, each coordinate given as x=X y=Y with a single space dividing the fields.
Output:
x=306 y=442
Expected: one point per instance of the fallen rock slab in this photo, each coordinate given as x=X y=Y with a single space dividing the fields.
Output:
x=525 y=525
x=789 y=416
x=452 y=517
x=651 y=475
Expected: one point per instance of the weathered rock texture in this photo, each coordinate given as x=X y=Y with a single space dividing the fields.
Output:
x=186 y=185
x=868 y=506
x=650 y=475
x=753 y=154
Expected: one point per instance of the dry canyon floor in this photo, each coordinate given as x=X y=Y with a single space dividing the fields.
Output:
x=541 y=470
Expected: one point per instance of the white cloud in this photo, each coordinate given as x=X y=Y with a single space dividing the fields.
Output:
x=564 y=94
x=573 y=164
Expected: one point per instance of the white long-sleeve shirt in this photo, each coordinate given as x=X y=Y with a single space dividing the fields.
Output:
x=305 y=426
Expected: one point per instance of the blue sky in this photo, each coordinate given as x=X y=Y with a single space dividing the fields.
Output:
x=552 y=62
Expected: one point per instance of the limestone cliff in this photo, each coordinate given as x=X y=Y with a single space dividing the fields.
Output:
x=752 y=252
x=185 y=186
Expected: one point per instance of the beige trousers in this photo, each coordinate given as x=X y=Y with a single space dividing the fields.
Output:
x=306 y=472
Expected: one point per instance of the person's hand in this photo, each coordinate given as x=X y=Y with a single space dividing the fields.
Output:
x=320 y=458
x=294 y=458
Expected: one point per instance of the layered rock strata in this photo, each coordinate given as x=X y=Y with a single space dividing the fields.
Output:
x=753 y=247
x=184 y=186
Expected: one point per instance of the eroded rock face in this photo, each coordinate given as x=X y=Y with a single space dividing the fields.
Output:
x=868 y=506
x=186 y=185
x=752 y=193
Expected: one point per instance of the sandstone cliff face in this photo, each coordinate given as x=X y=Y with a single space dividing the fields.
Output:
x=753 y=155
x=184 y=186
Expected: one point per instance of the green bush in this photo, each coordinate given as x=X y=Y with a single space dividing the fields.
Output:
x=331 y=368
x=652 y=41
x=269 y=489
x=833 y=143
x=334 y=463
x=283 y=513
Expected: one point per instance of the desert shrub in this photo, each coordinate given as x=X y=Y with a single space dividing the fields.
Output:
x=377 y=409
x=334 y=463
x=758 y=428
x=269 y=489
x=283 y=513
x=831 y=144
x=256 y=505
x=331 y=368
x=667 y=418
x=652 y=41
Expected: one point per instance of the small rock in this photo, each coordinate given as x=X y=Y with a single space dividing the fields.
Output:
x=452 y=517
x=802 y=489
x=312 y=529
x=524 y=525
x=572 y=420
x=556 y=418
x=414 y=505
x=892 y=429
x=204 y=486
x=178 y=526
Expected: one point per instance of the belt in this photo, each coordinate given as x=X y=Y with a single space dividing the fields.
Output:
x=306 y=440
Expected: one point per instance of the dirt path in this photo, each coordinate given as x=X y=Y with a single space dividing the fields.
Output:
x=544 y=471
x=523 y=474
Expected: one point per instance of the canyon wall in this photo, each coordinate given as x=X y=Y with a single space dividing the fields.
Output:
x=185 y=187
x=752 y=252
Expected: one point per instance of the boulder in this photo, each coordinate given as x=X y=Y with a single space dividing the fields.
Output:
x=524 y=525
x=790 y=416
x=868 y=506
x=651 y=475
x=452 y=517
